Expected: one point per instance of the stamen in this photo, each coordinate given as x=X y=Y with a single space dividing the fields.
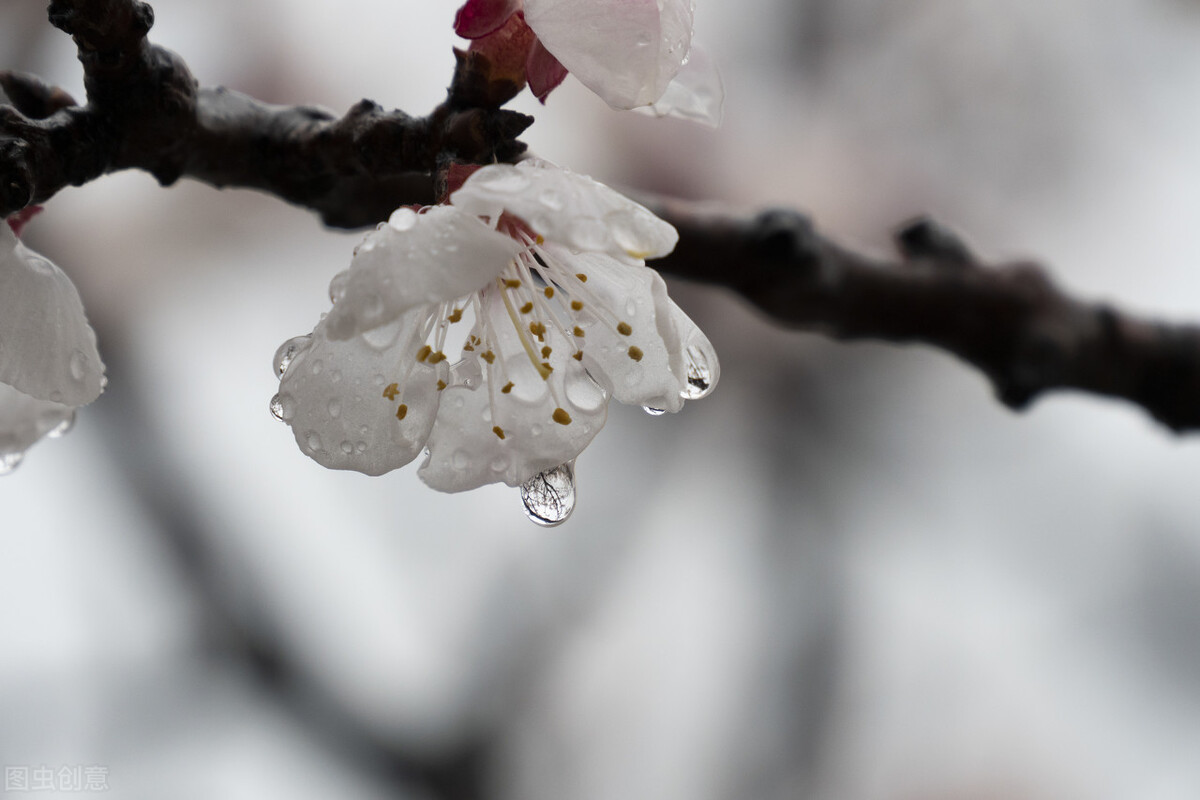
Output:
x=455 y=315
x=635 y=353
x=391 y=391
x=561 y=417
x=525 y=309
x=546 y=351
x=508 y=387
x=498 y=431
x=402 y=411
x=624 y=329
x=548 y=291
x=578 y=332
x=441 y=385
x=578 y=356
x=582 y=277
x=424 y=352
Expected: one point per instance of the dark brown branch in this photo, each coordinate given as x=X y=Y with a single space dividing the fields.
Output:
x=145 y=111
x=1010 y=321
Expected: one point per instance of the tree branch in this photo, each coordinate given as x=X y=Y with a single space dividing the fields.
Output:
x=145 y=111
x=1010 y=321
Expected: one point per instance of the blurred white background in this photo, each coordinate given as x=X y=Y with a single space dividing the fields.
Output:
x=849 y=574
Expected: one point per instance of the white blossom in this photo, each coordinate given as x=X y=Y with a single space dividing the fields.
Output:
x=49 y=365
x=492 y=332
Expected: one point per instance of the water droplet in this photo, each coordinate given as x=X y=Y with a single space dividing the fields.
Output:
x=654 y=412
x=317 y=366
x=360 y=447
x=499 y=463
x=701 y=375
x=335 y=409
x=583 y=393
x=337 y=286
x=402 y=219
x=631 y=308
x=347 y=448
x=549 y=497
x=314 y=442
x=38 y=263
x=10 y=461
x=78 y=365
x=56 y=396
x=288 y=351
x=62 y=428
x=460 y=460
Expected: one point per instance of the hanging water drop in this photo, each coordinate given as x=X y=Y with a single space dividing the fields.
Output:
x=277 y=408
x=9 y=462
x=63 y=428
x=549 y=497
x=288 y=351
x=703 y=369
x=654 y=412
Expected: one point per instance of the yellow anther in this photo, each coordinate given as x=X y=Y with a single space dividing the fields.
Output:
x=538 y=330
x=489 y=356
x=548 y=291
x=498 y=431
x=512 y=283
x=391 y=391
x=561 y=417
x=578 y=332
x=470 y=348
x=540 y=239
x=402 y=411
x=455 y=315
x=635 y=353
x=424 y=352
x=546 y=370
x=525 y=309
x=581 y=276
x=437 y=357
x=508 y=387
x=624 y=329
x=578 y=355
x=441 y=385
x=576 y=305
x=546 y=351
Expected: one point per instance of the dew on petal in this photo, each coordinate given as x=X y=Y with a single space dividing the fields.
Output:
x=288 y=351
x=335 y=408
x=654 y=412
x=549 y=497
x=583 y=393
x=314 y=442
x=507 y=181
x=78 y=365
x=277 y=408
x=402 y=218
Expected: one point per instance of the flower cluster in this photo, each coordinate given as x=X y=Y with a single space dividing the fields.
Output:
x=492 y=332
x=49 y=365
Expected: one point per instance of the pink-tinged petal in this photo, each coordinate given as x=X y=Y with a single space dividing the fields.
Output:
x=565 y=207
x=413 y=260
x=336 y=396
x=507 y=51
x=47 y=348
x=20 y=219
x=478 y=18
x=626 y=51
x=543 y=71
x=696 y=93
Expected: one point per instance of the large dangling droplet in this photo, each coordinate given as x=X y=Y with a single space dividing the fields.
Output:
x=703 y=369
x=288 y=351
x=549 y=497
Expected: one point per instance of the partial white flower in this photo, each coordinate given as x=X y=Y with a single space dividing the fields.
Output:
x=492 y=332
x=49 y=365
x=632 y=53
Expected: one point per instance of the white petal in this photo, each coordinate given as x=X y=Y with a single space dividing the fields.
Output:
x=626 y=51
x=47 y=348
x=637 y=296
x=334 y=395
x=414 y=260
x=25 y=419
x=696 y=93
x=697 y=362
x=565 y=207
x=464 y=450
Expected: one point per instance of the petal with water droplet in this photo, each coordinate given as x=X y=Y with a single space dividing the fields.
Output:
x=399 y=268
x=549 y=496
x=696 y=93
x=583 y=214
x=47 y=348
x=24 y=420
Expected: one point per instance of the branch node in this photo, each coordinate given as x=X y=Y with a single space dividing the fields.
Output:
x=922 y=239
